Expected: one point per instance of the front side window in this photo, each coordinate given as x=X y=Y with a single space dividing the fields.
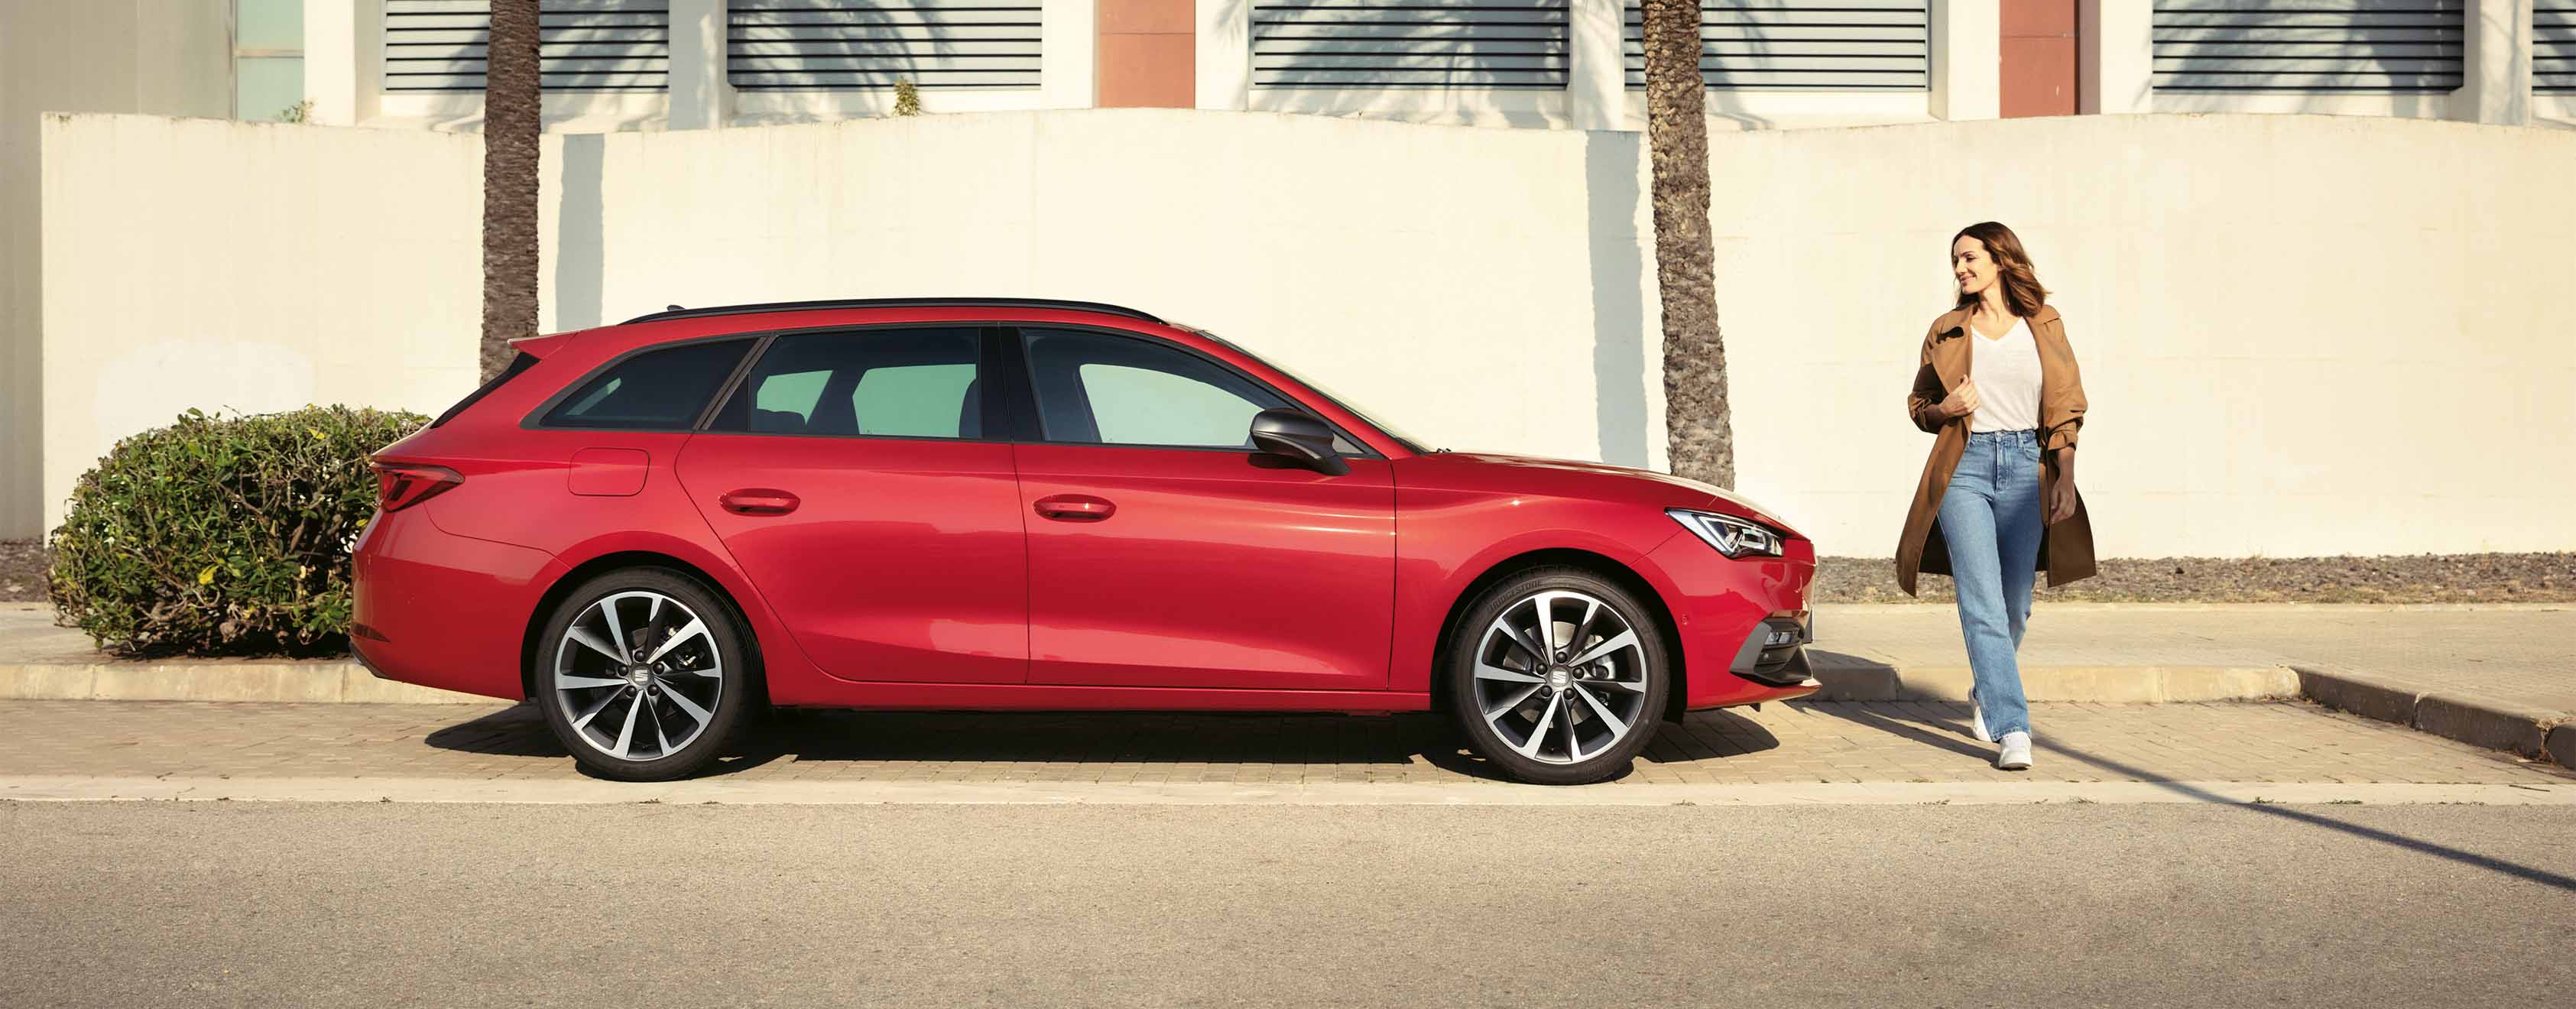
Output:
x=658 y=390
x=899 y=383
x=1094 y=388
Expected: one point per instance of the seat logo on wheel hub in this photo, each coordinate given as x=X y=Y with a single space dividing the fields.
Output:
x=639 y=675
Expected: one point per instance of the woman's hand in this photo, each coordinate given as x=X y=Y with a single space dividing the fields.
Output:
x=1962 y=400
x=2061 y=499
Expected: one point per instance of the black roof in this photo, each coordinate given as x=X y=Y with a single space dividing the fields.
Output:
x=676 y=312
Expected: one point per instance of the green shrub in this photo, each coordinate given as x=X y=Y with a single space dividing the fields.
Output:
x=222 y=535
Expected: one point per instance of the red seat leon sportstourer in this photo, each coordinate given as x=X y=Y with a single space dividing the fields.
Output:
x=655 y=530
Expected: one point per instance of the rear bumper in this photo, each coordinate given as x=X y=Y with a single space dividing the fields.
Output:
x=1727 y=611
x=441 y=610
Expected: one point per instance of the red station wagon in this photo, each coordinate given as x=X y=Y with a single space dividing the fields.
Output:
x=656 y=529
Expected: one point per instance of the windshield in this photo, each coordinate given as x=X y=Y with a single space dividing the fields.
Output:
x=1410 y=443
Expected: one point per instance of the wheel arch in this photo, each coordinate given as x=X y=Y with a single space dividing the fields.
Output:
x=586 y=570
x=1620 y=574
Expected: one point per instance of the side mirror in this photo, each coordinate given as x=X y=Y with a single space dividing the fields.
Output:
x=1297 y=436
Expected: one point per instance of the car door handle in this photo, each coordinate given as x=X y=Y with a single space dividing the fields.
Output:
x=759 y=501
x=1075 y=508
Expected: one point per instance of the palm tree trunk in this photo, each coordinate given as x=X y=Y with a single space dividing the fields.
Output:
x=1701 y=440
x=512 y=120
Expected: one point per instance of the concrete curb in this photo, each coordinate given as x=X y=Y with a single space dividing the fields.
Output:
x=1852 y=679
x=307 y=681
x=2533 y=732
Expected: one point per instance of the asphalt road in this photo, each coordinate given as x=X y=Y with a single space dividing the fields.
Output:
x=125 y=904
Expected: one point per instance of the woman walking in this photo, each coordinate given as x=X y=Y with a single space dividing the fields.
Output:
x=1997 y=501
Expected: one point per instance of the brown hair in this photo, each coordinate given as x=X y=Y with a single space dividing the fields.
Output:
x=2022 y=292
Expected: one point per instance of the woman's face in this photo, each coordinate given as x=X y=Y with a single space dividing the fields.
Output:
x=1969 y=263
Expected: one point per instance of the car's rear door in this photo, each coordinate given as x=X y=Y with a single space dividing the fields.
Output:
x=1165 y=552
x=851 y=477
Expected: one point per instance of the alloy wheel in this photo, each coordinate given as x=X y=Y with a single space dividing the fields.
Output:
x=639 y=675
x=1561 y=677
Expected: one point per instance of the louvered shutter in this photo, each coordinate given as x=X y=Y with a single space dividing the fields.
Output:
x=583 y=45
x=2308 y=45
x=2553 y=47
x=1802 y=45
x=1479 y=44
x=857 y=45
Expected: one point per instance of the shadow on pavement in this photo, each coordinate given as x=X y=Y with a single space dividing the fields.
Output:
x=515 y=731
x=1952 y=737
x=815 y=735
x=2514 y=869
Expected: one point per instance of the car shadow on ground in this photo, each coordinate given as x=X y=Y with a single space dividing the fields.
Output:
x=1162 y=738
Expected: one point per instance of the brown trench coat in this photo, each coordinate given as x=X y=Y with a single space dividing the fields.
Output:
x=2065 y=548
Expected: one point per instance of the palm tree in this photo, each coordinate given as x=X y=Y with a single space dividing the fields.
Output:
x=1701 y=441
x=512 y=120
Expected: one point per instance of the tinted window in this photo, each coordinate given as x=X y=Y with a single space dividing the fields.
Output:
x=1112 y=390
x=518 y=364
x=895 y=383
x=653 y=391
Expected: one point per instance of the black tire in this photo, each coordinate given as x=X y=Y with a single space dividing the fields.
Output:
x=680 y=675
x=1634 y=692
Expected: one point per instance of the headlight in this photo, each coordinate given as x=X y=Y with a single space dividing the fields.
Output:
x=1732 y=536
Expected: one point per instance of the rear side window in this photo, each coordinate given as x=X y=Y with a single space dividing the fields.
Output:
x=658 y=390
x=518 y=364
x=894 y=383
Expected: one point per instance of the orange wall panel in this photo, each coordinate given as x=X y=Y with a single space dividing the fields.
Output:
x=1148 y=54
x=2039 y=61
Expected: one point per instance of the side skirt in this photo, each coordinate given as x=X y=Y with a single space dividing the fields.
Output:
x=1053 y=697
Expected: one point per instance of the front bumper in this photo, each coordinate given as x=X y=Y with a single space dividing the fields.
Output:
x=1728 y=612
x=1774 y=653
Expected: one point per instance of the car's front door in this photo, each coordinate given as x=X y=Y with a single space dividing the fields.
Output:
x=1165 y=552
x=850 y=476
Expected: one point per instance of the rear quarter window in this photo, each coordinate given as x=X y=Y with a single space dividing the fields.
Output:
x=657 y=390
x=518 y=364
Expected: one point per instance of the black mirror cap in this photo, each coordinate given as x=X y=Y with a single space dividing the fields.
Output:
x=1297 y=435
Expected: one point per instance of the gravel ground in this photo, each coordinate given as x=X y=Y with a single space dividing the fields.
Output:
x=22 y=571
x=2423 y=578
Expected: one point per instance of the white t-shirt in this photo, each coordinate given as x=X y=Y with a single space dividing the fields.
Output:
x=2007 y=374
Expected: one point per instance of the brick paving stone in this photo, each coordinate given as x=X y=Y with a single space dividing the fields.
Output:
x=1907 y=741
x=2522 y=655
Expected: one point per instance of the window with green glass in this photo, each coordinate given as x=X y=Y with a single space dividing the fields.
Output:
x=268 y=59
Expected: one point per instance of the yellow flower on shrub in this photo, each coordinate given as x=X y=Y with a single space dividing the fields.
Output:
x=278 y=498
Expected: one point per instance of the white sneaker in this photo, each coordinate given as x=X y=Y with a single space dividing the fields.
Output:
x=1977 y=722
x=2016 y=755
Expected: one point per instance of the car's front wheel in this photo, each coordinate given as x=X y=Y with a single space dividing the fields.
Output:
x=1558 y=676
x=643 y=675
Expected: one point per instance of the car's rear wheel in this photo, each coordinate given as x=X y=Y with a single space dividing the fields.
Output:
x=1558 y=676
x=643 y=675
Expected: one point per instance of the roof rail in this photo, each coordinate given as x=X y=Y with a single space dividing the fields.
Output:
x=676 y=312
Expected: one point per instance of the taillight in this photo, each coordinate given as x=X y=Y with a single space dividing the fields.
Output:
x=400 y=485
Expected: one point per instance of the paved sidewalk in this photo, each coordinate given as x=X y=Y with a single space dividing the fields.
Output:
x=2502 y=677
x=2523 y=655
x=1848 y=742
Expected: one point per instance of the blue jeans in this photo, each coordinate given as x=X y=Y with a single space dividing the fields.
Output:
x=1990 y=518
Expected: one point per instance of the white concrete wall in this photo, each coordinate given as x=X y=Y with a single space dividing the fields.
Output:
x=170 y=56
x=249 y=266
x=2301 y=334
x=1374 y=252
